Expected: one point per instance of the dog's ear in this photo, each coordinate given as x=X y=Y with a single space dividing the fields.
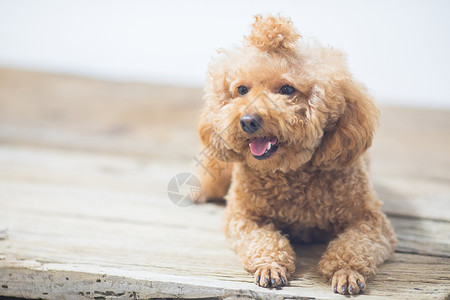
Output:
x=214 y=145
x=352 y=134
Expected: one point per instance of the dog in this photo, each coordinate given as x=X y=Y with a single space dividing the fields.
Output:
x=286 y=128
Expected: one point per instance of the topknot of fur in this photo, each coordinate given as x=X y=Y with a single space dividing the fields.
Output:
x=272 y=33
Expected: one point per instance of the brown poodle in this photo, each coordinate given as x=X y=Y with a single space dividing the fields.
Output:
x=285 y=127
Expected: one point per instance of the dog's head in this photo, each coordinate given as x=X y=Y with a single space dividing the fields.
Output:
x=278 y=103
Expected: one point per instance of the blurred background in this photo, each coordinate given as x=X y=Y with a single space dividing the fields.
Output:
x=399 y=49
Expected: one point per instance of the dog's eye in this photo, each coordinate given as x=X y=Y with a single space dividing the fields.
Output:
x=287 y=90
x=242 y=90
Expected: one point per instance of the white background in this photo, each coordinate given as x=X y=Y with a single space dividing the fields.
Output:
x=400 y=49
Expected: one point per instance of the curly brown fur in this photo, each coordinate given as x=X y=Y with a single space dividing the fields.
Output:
x=314 y=185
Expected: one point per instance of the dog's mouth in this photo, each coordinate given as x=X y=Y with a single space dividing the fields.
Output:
x=263 y=147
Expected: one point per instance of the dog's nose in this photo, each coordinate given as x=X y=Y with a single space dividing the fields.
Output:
x=251 y=123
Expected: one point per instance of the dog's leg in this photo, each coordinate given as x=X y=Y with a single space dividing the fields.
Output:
x=264 y=251
x=352 y=258
x=215 y=177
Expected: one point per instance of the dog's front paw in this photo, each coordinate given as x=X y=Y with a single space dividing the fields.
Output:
x=271 y=275
x=348 y=282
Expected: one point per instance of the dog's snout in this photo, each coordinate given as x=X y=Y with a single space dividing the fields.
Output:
x=251 y=123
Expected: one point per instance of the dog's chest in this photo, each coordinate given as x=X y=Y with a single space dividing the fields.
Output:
x=301 y=201
x=304 y=208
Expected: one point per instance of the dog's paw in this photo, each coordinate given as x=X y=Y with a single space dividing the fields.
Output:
x=271 y=275
x=348 y=282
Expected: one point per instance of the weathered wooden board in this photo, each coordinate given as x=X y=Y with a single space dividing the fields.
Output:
x=410 y=156
x=428 y=237
x=411 y=162
x=84 y=168
x=28 y=171
x=191 y=258
x=77 y=113
x=65 y=216
x=31 y=279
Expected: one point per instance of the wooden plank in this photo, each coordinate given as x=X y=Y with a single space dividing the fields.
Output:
x=84 y=168
x=409 y=277
x=420 y=197
x=410 y=161
x=77 y=172
x=428 y=237
x=65 y=228
x=194 y=256
x=79 y=113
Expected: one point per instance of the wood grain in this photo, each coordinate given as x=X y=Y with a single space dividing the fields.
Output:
x=84 y=211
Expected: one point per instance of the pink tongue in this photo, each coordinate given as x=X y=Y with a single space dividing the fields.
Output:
x=259 y=145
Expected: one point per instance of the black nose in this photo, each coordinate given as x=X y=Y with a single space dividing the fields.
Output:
x=251 y=123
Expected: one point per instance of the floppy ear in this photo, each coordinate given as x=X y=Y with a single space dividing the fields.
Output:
x=350 y=137
x=214 y=145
